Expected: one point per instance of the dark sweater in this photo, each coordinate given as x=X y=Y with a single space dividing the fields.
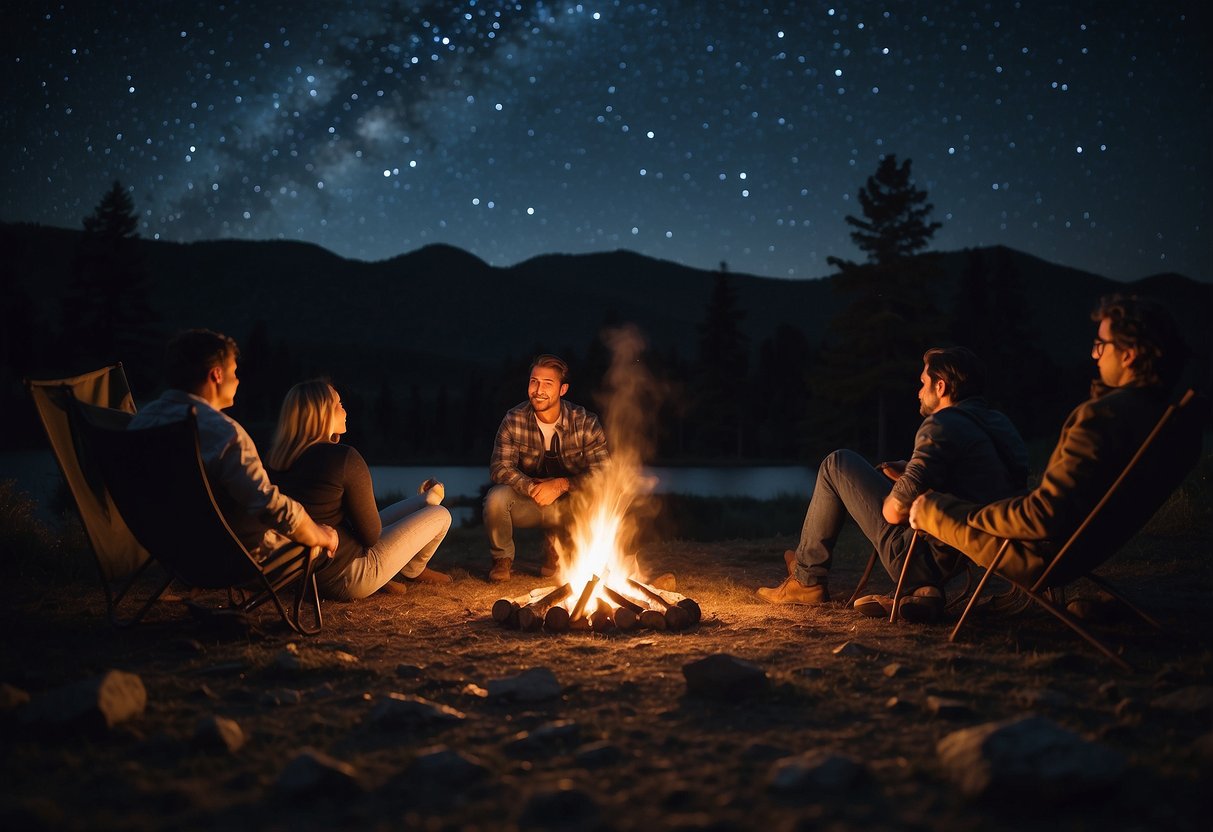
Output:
x=333 y=483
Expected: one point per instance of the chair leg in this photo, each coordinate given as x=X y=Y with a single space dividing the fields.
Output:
x=1119 y=596
x=981 y=585
x=863 y=581
x=1071 y=622
x=901 y=579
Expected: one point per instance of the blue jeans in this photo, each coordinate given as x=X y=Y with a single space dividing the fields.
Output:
x=848 y=485
x=505 y=509
x=412 y=531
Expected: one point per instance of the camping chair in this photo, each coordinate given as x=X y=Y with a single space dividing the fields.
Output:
x=119 y=557
x=159 y=485
x=1158 y=467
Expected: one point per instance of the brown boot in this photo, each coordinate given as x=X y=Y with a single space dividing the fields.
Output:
x=789 y=559
x=500 y=571
x=792 y=591
x=431 y=576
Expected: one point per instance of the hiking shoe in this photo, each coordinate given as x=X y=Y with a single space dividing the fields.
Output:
x=923 y=606
x=393 y=587
x=789 y=559
x=431 y=576
x=874 y=606
x=500 y=571
x=792 y=591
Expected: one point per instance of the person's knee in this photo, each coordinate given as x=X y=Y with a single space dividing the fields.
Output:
x=497 y=501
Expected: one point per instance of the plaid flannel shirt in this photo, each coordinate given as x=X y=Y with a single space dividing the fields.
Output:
x=518 y=448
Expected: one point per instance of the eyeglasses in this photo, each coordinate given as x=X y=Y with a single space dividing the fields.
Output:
x=1097 y=347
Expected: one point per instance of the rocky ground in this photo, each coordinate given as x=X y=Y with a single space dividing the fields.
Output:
x=418 y=711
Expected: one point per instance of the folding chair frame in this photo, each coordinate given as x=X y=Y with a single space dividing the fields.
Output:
x=1037 y=589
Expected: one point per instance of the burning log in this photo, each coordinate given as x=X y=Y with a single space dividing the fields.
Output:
x=675 y=616
x=534 y=614
x=602 y=618
x=586 y=593
x=688 y=604
x=505 y=610
x=627 y=616
x=653 y=620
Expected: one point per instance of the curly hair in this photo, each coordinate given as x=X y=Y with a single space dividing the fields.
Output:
x=1147 y=327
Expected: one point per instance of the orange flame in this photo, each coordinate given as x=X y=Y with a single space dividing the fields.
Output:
x=604 y=525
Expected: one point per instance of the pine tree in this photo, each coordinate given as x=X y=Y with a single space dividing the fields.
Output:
x=721 y=373
x=107 y=313
x=895 y=213
x=874 y=347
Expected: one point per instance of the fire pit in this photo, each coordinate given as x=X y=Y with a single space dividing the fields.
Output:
x=599 y=607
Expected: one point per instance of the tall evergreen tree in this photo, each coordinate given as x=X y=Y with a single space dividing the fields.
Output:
x=721 y=373
x=107 y=312
x=874 y=346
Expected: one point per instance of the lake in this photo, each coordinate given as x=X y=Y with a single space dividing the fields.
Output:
x=36 y=473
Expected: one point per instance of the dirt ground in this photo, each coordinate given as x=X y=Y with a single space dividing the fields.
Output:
x=624 y=746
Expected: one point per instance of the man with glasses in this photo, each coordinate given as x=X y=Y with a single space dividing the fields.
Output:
x=1139 y=355
x=962 y=446
x=544 y=447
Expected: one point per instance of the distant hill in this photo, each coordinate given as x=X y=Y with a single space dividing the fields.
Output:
x=438 y=316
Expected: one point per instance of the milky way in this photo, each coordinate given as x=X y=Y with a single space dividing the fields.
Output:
x=696 y=132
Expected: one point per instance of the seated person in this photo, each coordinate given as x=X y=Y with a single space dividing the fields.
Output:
x=1139 y=355
x=543 y=448
x=201 y=374
x=962 y=445
x=334 y=483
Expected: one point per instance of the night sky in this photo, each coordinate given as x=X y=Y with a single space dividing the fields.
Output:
x=695 y=132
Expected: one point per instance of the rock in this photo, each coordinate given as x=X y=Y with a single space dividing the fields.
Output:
x=345 y=658
x=1029 y=758
x=892 y=669
x=597 y=755
x=313 y=773
x=819 y=770
x=722 y=675
x=408 y=671
x=565 y=807
x=444 y=766
x=288 y=658
x=12 y=698
x=1187 y=700
x=1033 y=698
x=549 y=738
x=854 y=650
x=667 y=581
x=399 y=710
x=533 y=685
x=944 y=708
x=90 y=705
x=281 y=696
x=218 y=733
x=897 y=705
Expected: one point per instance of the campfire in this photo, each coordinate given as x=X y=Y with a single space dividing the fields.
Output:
x=600 y=581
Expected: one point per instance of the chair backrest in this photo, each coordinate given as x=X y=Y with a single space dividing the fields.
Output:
x=117 y=551
x=159 y=484
x=1159 y=467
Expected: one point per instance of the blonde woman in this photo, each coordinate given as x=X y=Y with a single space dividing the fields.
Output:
x=333 y=482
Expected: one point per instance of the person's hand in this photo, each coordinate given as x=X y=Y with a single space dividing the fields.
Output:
x=893 y=470
x=546 y=492
x=329 y=538
x=916 y=510
x=433 y=490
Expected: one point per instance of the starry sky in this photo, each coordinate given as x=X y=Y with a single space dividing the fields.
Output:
x=697 y=132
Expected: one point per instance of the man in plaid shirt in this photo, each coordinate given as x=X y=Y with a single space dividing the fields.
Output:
x=544 y=447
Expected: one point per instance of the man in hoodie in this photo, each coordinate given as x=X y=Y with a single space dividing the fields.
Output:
x=962 y=447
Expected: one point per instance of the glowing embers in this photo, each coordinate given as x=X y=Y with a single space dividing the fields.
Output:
x=598 y=606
